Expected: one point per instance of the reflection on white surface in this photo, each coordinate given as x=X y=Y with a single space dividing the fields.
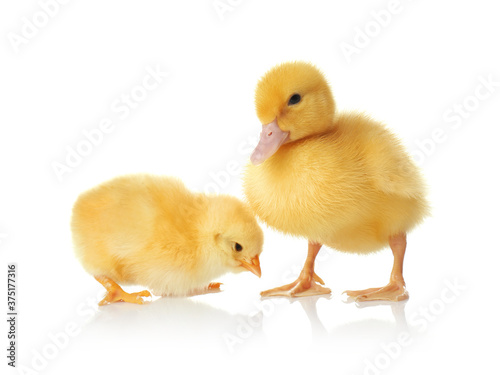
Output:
x=237 y=331
x=292 y=329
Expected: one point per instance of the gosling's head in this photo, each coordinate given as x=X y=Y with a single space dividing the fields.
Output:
x=238 y=236
x=293 y=101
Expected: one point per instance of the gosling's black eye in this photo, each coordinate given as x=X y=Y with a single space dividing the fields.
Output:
x=294 y=99
x=238 y=247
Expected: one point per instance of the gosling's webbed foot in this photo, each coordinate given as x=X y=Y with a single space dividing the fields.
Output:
x=305 y=285
x=394 y=291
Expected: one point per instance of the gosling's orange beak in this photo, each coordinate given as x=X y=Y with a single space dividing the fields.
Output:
x=253 y=267
x=271 y=138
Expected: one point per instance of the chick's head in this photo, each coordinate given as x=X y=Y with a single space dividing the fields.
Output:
x=293 y=101
x=238 y=236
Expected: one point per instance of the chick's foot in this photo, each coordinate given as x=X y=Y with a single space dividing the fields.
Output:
x=116 y=294
x=122 y=296
x=394 y=291
x=214 y=287
x=305 y=285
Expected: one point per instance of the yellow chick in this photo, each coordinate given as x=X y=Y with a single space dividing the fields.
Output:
x=152 y=231
x=339 y=179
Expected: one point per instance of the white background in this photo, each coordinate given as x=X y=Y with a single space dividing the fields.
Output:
x=426 y=62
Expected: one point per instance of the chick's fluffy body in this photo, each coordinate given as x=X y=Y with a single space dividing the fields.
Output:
x=152 y=231
x=343 y=180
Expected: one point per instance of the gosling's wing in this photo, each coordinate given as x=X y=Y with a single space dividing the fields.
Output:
x=384 y=158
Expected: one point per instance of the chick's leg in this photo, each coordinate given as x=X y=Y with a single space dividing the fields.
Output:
x=396 y=289
x=306 y=284
x=116 y=294
x=214 y=286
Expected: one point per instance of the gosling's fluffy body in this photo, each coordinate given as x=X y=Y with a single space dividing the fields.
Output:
x=343 y=180
x=152 y=231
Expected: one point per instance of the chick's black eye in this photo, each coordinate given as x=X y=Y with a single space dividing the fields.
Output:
x=295 y=98
x=238 y=247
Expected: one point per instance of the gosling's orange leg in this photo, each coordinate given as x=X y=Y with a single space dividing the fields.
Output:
x=116 y=294
x=306 y=284
x=396 y=289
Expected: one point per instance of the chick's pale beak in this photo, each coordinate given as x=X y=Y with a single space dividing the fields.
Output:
x=271 y=138
x=253 y=267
